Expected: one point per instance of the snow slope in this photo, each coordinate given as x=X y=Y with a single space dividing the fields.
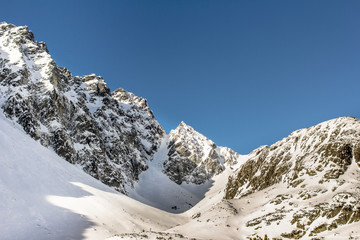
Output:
x=44 y=197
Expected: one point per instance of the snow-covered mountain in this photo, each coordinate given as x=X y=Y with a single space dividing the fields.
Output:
x=111 y=135
x=315 y=175
x=305 y=186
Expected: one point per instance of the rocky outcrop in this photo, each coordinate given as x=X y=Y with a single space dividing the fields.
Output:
x=194 y=158
x=111 y=135
x=342 y=209
x=325 y=150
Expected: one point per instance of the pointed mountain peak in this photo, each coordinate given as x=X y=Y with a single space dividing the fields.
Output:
x=183 y=125
x=186 y=131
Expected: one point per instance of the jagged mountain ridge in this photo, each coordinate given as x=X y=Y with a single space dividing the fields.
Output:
x=112 y=135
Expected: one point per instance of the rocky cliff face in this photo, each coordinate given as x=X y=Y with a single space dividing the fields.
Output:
x=194 y=158
x=111 y=135
x=315 y=173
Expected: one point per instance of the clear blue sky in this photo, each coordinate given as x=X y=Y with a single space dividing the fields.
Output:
x=243 y=73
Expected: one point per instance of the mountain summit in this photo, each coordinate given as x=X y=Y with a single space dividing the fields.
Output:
x=192 y=157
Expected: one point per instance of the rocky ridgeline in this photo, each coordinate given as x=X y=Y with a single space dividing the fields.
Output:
x=193 y=157
x=111 y=135
x=325 y=150
x=316 y=170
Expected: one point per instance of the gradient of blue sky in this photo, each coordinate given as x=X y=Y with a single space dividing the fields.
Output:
x=243 y=73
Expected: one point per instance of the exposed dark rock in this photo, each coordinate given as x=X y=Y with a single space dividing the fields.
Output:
x=193 y=157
